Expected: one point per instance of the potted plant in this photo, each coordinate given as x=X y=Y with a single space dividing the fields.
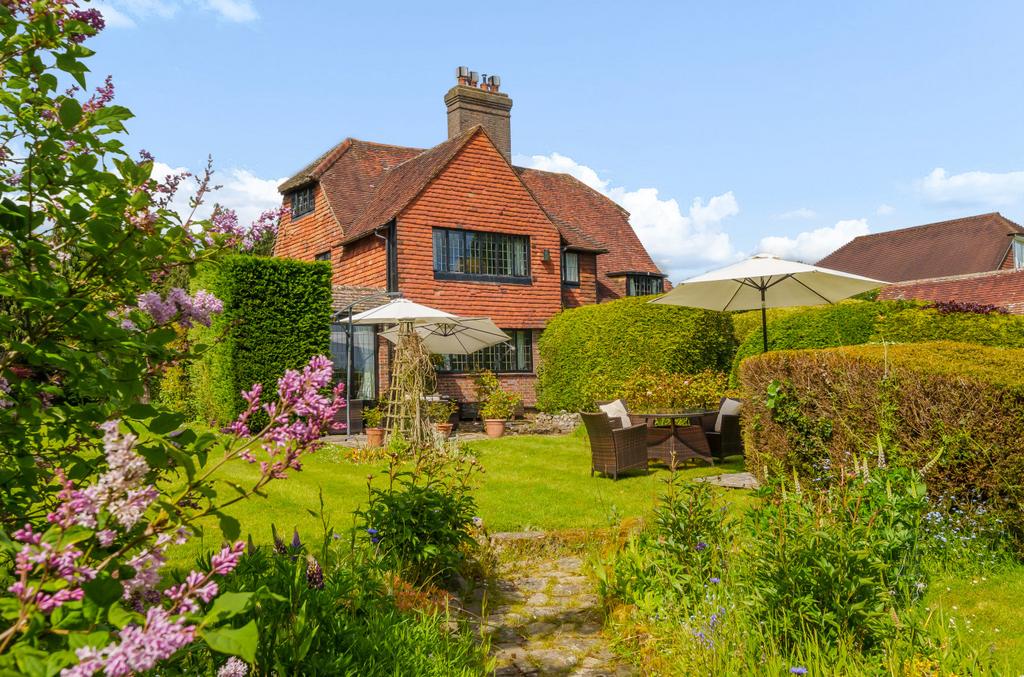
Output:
x=440 y=412
x=373 y=417
x=496 y=404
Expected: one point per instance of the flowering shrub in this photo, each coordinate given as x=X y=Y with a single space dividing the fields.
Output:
x=96 y=482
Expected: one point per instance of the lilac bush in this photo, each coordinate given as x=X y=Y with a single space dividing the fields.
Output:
x=97 y=483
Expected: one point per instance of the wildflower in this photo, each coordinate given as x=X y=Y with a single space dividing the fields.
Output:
x=372 y=531
x=314 y=574
x=716 y=580
x=798 y=670
x=701 y=545
x=234 y=667
x=296 y=542
x=478 y=522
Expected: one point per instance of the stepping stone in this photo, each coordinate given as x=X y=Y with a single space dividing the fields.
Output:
x=734 y=480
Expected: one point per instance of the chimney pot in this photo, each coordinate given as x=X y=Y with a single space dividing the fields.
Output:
x=476 y=100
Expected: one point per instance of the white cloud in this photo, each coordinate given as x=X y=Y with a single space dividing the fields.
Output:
x=680 y=241
x=984 y=188
x=811 y=245
x=799 y=213
x=239 y=11
x=241 y=190
x=127 y=13
x=885 y=209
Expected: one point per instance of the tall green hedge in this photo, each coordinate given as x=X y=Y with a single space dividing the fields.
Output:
x=857 y=322
x=955 y=410
x=587 y=354
x=277 y=314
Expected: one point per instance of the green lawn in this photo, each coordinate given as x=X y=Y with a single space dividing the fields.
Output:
x=987 y=610
x=530 y=482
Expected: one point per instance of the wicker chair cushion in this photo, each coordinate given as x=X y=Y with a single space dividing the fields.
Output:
x=730 y=407
x=617 y=409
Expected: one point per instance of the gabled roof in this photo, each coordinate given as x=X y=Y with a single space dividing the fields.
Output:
x=369 y=184
x=972 y=244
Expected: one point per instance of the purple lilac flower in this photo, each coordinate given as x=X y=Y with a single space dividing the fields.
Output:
x=5 y=388
x=197 y=587
x=235 y=667
x=103 y=96
x=178 y=304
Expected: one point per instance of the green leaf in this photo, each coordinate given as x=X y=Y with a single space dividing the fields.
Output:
x=227 y=605
x=119 y=617
x=70 y=112
x=241 y=642
x=103 y=590
x=229 y=526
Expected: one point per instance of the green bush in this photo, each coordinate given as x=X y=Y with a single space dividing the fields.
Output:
x=856 y=322
x=748 y=322
x=588 y=353
x=952 y=410
x=277 y=315
x=648 y=390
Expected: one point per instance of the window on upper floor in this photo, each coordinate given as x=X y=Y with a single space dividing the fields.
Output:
x=1018 y=251
x=570 y=268
x=481 y=257
x=513 y=357
x=302 y=202
x=643 y=285
x=323 y=256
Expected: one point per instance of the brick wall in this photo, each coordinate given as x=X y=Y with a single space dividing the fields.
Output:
x=310 y=234
x=586 y=292
x=479 y=191
x=363 y=263
x=1001 y=288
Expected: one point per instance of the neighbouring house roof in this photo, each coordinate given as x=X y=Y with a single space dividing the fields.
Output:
x=972 y=244
x=1003 y=288
x=369 y=184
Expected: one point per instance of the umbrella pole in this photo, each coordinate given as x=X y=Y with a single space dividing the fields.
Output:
x=764 y=322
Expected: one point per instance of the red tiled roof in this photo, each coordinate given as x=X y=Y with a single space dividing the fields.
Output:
x=973 y=244
x=999 y=288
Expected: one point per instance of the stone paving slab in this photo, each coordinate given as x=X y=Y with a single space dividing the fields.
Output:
x=547 y=622
x=732 y=480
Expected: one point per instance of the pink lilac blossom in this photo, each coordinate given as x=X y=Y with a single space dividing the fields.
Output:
x=140 y=648
x=264 y=227
x=234 y=667
x=103 y=96
x=178 y=304
x=43 y=560
x=225 y=561
x=297 y=420
x=196 y=586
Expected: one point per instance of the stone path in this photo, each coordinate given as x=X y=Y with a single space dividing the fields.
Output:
x=733 y=480
x=545 y=619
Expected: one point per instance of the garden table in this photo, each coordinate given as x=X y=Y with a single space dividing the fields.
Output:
x=679 y=439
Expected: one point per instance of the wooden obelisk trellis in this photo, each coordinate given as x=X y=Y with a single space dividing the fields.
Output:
x=412 y=378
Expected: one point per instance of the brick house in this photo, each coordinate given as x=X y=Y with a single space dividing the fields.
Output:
x=458 y=227
x=975 y=259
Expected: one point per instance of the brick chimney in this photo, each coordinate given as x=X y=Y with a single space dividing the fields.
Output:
x=476 y=101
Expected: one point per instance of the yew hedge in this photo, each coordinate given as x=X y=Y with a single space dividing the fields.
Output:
x=589 y=354
x=953 y=410
x=277 y=314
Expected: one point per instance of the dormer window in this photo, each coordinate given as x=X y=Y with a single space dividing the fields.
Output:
x=638 y=284
x=1018 y=251
x=302 y=202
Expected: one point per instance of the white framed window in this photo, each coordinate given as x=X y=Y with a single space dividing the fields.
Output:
x=1018 y=251
x=570 y=268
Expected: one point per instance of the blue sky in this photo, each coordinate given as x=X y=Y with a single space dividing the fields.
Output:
x=725 y=128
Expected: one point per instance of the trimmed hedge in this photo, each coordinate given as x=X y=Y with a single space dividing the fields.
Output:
x=955 y=410
x=277 y=314
x=587 y=354
x=748 y=322
x=856 y=322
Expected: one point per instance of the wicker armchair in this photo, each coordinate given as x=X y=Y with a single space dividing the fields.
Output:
x=614 y=449
x=726 y=441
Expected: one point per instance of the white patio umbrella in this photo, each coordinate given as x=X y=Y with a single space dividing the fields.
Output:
x=766 y=281
x=399 y=311
x=458 y=336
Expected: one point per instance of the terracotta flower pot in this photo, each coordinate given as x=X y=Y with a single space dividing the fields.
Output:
x=494 y=427
x=445 y=429
x=374 y=437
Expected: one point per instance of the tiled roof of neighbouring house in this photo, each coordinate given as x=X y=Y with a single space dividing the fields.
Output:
x=973 y=244
x=1003 y=288
x=368 y=184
